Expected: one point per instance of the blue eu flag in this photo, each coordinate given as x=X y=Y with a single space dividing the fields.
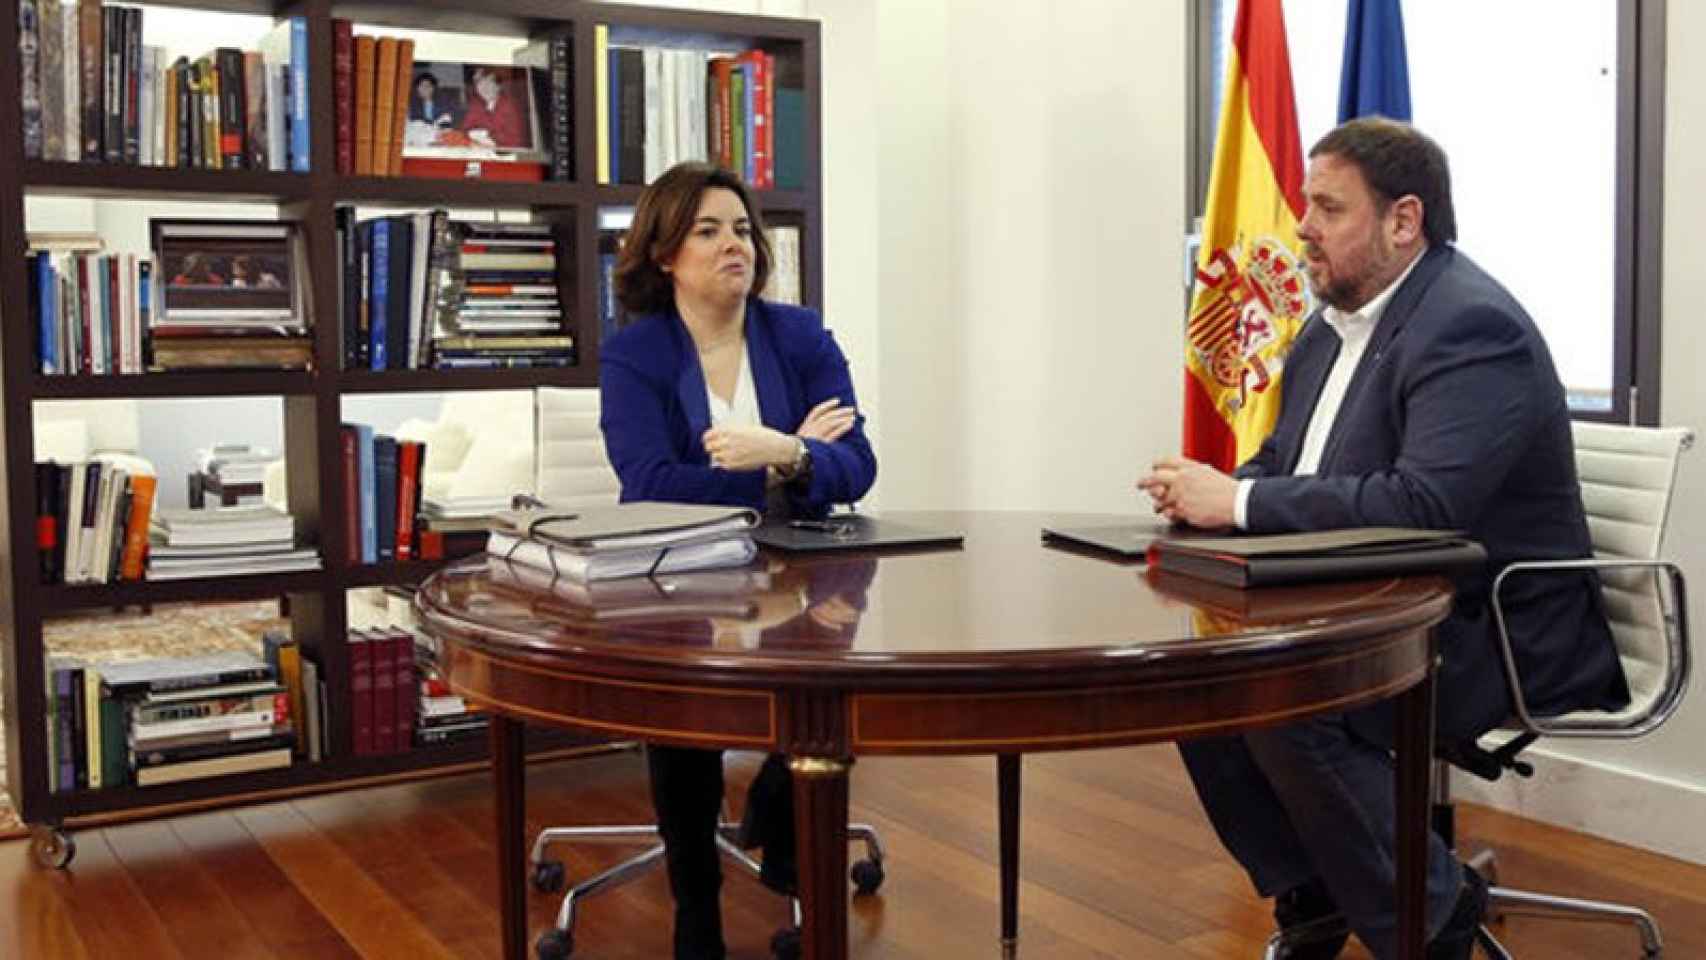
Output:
x=1375 y=78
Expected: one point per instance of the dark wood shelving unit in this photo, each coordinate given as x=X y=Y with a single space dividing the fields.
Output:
x=419 y=191
x=61 y=598
x=118 y=182
x=406 y=573
x=313 y=400
x=265 y=784
x=433 y=381
x=214 y=383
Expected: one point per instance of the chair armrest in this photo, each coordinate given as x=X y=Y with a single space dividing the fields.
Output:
x=1678 y=665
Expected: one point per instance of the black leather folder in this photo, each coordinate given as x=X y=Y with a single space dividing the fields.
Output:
x=1326 y=555
x=852 y=531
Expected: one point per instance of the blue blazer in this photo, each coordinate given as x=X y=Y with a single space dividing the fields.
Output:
x=1455 y=419
x=654 y=410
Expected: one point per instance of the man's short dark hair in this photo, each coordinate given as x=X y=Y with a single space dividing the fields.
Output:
x=1397 y=160
x=662 y=219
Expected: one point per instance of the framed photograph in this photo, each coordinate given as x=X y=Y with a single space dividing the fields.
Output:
x=230 y=273
x=473 y=111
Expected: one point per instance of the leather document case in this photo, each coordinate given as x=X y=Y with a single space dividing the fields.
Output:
x=1326 y=555
x=852 y=531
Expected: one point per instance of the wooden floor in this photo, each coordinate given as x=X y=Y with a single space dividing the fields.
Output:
x=1117 y=863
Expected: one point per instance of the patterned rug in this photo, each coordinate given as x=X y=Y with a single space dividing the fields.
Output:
x=171 y=630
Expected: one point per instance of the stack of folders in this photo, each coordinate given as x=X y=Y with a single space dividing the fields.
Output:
x=729 y=593
x=628 y=540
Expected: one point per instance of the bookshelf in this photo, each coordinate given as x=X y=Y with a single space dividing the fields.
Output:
x=312 y=401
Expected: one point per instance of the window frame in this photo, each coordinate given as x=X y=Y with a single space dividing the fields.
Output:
x=1638 y=275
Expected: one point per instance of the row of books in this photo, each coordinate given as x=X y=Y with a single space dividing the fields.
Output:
x=91 y=311
x=371 y=77
x=93 y=92
x=92 y=521
x=158 y=721
x=398 y=698
x=382 y=483
x=213 y=295
x=423 y=291
x=661 y=106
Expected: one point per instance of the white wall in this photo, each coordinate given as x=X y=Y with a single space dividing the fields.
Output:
x=1068 y=166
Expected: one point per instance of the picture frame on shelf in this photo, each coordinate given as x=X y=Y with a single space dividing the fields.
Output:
x=464 y=118
x=230 y=273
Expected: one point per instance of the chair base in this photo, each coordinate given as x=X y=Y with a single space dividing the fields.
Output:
x=1502 y=902
x=548 y=876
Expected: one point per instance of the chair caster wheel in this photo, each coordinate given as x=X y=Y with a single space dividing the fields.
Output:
x=785 y=944
x=52 y=847
x=548 y=876
x=867 y=876
x=554 y=945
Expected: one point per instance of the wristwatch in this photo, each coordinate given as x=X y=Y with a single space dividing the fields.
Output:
x=802 y=465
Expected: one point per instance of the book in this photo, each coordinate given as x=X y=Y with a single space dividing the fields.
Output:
x=180 y=673
x=1345 y=554
x=246 y=762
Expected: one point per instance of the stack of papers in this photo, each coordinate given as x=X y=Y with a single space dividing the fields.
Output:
x=223 y=541
x=237 y=462
x=728 y=593
x=631 y=539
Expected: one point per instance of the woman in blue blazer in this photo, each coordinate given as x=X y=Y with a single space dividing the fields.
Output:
x=712 y=395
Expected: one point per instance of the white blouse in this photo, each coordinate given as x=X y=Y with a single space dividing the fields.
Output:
x=743 y=412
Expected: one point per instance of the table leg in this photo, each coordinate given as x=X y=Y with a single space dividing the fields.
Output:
x=1415 y=736
x=820 y=826
x=509 y=774
x=1007 y=795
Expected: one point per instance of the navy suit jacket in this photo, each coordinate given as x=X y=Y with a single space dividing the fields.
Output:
x=1455 y=419
x=654 y=410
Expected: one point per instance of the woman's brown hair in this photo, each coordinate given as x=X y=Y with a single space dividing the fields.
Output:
x=662 y=220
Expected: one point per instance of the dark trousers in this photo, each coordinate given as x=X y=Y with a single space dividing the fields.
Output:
x=1315 y=799
x=687 y=795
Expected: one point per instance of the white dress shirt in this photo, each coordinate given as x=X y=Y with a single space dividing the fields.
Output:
x=1355 y=329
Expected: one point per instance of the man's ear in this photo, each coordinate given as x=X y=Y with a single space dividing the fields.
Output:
x=1407 y=215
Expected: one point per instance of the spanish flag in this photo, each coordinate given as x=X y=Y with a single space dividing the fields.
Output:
x=1251 y=296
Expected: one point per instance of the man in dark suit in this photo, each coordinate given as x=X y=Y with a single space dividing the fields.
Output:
x=1419 y=395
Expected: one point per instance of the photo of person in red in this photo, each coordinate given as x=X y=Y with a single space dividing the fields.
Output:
x=496 y=115
x=197 y=270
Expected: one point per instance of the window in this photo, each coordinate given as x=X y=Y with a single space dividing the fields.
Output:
x=1552 y=117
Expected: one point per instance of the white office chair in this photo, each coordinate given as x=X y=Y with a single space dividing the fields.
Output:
x=574 y=471
x=1627 y=476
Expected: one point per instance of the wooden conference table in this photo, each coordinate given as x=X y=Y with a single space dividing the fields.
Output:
x=1003 y=647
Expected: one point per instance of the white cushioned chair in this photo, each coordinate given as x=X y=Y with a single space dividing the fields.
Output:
x=573 y=469
x=1627 y=476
